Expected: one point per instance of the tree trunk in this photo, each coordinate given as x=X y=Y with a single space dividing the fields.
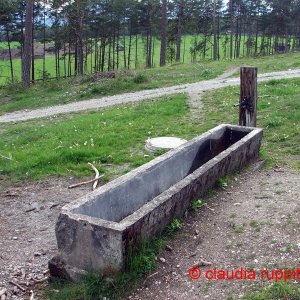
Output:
x=65 y=66
x=79 y=26
x=136 y=50
x=44 y=40
x=183 y=49
x=69 y=60
x=231 y=27
x=118 y=45
x=179 y=29
x=163 y=46
x=129 y=50
x=215 y=55
x=149 y=63
x=26 y=59
x=109 y=54
x=103 y=44
x=124 y=51
x=114 y=49
x=10 y=57
x=32 y=55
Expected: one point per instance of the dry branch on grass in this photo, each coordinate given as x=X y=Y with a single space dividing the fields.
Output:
x=9 y=157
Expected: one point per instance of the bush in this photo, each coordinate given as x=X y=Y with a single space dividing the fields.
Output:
x=140 y=78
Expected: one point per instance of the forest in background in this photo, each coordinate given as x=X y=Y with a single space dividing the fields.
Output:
x=57 y=38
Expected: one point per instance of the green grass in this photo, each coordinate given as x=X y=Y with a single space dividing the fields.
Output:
x=187 y=43
x=175 y=225
x=115 y=136
x=115 y=286
x=254 y=224
x=3 y=45
x=197 y=203
x=13 y=97
x=277 y=291
x=278 y=114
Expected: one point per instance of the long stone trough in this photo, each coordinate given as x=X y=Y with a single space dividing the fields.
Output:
x=96 y=233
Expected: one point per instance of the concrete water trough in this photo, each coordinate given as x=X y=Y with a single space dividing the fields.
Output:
x=96 y=233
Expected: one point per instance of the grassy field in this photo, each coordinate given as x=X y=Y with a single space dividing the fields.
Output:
x=114 y=140
x=116 y=136
x=187 y=42
x=14 y=97
x=278 y=114
x=3 y=45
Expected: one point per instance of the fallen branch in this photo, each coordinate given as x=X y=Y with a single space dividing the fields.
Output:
x=96 y=175
x=84 y=182
x=6 y=157
x=40 y=280
x=17 y=285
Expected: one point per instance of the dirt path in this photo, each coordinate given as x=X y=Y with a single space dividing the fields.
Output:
x=28 y=214
x=194 y=88
x=253 y=223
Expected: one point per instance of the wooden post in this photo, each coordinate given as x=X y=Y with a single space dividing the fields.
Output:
x=248 y=96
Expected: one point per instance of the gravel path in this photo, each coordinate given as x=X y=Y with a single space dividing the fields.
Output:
x=197 y=87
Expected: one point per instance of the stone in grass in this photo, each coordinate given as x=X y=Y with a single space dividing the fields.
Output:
x=163 y=143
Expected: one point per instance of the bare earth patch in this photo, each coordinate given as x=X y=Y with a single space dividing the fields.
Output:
x=28 y=215
x=253 y=223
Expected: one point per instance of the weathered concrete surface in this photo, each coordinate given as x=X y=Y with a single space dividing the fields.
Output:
x=95 y=233
x=163 y=142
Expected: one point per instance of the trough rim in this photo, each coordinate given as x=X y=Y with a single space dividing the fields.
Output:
x=165 y=195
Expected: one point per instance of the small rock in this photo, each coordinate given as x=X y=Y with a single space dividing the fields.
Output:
x=202 y=263
x=169 y=248
x=163 y=260
x=34 y=207
x=15 y=238
x=237 y=204
x=196 y=232
x=52 y=205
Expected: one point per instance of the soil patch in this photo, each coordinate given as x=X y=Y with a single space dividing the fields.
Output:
x=253 y=223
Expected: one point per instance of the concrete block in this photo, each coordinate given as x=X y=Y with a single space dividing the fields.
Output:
x=96 y=233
